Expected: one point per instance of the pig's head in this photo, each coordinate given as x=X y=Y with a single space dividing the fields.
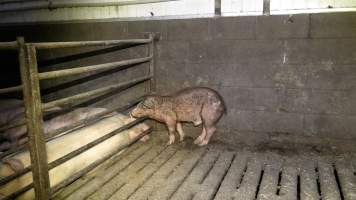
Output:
x=145 y=108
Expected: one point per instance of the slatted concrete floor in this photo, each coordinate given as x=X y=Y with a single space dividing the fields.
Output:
x=184 y=172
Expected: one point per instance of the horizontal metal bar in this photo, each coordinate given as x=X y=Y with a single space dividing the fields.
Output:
x=73 y=153
x=95 y=164
x=8 y=45
x=54 y=45
x=96 y=92
x=15 y=175
x=80 y=70
x=51 y=4
x=18 y=192
x=20 y=123
x=10 y=89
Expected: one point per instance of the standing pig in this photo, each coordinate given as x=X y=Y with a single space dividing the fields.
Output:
x=199 y=105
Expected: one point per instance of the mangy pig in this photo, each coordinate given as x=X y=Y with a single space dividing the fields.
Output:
x=199 y=105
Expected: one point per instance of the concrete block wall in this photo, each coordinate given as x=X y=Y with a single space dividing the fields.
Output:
x=288 y=79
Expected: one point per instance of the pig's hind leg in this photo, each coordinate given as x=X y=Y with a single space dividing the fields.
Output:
x=210 y=130
x=201 y=137
x=210 y=116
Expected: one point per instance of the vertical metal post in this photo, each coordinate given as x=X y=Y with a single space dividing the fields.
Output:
x=33 y=110
x=266 y=7
x=218 y=7
x=152 y=87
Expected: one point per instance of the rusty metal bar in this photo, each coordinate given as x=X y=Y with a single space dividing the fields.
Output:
x=80 y=70
x=95 y=164
x=9 y=45
x=33 y=111
x=55 y=45
x=18 y=192
x=11 y=89
x=99 y=91
x=75 y=152
x=152 y=64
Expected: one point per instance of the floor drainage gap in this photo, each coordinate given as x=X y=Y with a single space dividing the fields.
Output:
x=242 y=175
x=174 y=169
x=134 y=160
x=318 y=182
x=298 y=187
x=114 y=192
x=120 y=157
x=279 y=182
x=188 y=174
x=151 y=160
x=210 y=168
x=259 y=183
x=152 y=174
x=338 y=182
x=223 y=177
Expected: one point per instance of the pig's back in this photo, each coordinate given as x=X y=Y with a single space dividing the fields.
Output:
x=197 y=95
x=189 y=101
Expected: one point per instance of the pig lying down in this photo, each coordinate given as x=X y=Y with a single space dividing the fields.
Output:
x=65 y=144
x=198 y=105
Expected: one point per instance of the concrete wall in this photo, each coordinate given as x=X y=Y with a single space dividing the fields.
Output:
x=287 y=79
x=283 y=78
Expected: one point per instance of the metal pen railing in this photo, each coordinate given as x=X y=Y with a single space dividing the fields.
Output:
x=34 y=109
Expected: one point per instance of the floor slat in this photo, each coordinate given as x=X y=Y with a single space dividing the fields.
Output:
x=116 y=182
x=328 y=184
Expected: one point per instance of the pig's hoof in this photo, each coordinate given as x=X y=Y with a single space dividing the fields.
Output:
x=181 y=139
x=197 y=141
x=14 y=164
x=203 y=143
x=145 y=138
x=171 y=140
x=169 y=143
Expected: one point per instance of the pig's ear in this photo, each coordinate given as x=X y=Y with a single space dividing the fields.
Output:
x=149 y=102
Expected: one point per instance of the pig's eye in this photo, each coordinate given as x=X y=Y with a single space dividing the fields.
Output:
x=144 y=106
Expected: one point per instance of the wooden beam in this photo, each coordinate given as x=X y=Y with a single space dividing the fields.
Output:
x=33 y=111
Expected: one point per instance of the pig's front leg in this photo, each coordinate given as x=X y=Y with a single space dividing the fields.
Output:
x=171 y=125
x=180 y=131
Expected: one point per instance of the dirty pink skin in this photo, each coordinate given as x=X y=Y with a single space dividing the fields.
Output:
x=17 y=136
x=14 y=134
x=10 y=109
x=198 y=105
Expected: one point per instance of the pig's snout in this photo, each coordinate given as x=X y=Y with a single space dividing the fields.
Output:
x=131 y=116
x=134 y=113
